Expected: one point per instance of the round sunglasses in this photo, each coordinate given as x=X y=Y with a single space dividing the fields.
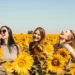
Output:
x=3 y=31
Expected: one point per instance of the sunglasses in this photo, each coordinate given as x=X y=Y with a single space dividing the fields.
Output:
x=3 y=31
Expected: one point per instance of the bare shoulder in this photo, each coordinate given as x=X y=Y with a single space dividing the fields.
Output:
x=18 y=45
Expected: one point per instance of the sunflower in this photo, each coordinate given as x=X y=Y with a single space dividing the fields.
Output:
x=48 y=49
x=72 y=71
x=8 y=66
x=23 y=63
x=55 y=64
x=38 y=46
x=64 y=53
x=72 y=64
x=1 y=54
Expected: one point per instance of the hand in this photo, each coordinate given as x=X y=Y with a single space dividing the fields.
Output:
x=0 y=36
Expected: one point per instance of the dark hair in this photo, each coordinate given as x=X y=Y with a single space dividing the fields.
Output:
x=10 y=38
x=42 y=32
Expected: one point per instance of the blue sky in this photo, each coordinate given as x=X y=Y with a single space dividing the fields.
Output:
x=24 y=15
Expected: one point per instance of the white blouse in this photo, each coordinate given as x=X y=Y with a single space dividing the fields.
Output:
x=7 y=56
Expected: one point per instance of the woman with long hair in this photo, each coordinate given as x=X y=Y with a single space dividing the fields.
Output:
x=65 y=40
x=36 y=48
x=9 y=48
x=38 y=38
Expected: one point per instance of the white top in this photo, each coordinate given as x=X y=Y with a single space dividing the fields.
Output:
x=7 y=56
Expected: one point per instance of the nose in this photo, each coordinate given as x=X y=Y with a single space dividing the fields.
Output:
x=63 y=31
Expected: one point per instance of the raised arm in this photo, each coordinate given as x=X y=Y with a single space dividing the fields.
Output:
x=70 y=49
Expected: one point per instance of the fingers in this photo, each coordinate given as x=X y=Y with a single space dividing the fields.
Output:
x=0 y=36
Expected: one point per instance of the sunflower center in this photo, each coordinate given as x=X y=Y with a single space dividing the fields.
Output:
x=63 y=54
x=21 y=62
x=55 y=62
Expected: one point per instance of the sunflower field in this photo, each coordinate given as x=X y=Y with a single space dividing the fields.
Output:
x=60 y=63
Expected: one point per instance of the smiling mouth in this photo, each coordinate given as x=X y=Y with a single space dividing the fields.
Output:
x=35 y=37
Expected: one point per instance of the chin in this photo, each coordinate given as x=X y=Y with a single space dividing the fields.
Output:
x=35 y=40
x=5 y=38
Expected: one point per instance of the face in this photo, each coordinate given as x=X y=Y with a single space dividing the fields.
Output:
x=65 y=35
x=36 y=36
x=4 y=33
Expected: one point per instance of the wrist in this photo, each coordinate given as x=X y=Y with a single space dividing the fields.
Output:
x=0 y=36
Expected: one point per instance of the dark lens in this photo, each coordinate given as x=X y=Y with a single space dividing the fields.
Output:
x=4 y=31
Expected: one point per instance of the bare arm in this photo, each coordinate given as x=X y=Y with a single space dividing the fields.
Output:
x=19 y=49
x=70 y=49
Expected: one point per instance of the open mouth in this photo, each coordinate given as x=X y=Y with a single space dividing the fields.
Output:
x=61 y=37
x=35 y=38
x=62 y=34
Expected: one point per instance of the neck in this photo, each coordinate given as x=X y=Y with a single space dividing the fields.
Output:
x=6 y=41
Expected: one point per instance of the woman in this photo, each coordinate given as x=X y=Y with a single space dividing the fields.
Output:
x=9 y=48
x=66 y=37
x=70 y=37
x=66 y=40
x=38 y=41
x=37 y=50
